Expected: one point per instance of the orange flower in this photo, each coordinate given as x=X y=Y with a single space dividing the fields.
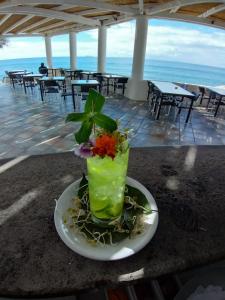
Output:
x=105 y=145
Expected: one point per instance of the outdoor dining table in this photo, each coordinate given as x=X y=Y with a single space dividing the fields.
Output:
x=170 y=89
x=109 y=77
x=220 y=95
x=186 y=182
x=50 y=78
x=21 y=73
x=16 y=71
x=86 y=83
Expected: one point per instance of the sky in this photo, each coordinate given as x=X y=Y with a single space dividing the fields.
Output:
x=167 y=40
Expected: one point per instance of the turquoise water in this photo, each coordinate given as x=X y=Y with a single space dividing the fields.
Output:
x=154 y=69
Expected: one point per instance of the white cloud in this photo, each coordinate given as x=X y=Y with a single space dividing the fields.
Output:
x=171 y=42
x=188 y=45
x=22 y=48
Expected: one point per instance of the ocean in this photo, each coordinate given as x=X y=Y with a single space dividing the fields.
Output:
x=154 y=69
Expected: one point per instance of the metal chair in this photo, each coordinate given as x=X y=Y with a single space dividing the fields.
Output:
x=66 y=91
x=84 y=90
x=204 y=96
x=50 y=87
x=120 y=83
x=184 y=103
x=29 y=82
x=102 y=82
x=15 y=79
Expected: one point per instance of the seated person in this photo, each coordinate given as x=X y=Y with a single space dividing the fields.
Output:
x=43 y=69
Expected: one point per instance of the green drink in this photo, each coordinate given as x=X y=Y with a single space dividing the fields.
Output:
x=106 y=183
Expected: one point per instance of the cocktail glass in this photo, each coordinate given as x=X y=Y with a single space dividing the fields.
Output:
x=106 y=184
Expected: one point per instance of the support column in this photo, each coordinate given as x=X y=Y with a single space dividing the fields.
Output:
x=73 y=50
x=48 y=49
x=102 y=36
x=137 y=87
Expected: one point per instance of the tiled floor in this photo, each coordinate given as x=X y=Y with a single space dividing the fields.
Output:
x=29 y=126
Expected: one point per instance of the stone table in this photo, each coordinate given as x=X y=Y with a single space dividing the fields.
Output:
x=187 y=183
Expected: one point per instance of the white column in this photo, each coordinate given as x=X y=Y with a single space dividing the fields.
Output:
x=73 y=50
x=48 y=48
x=102 y=36
x=137 y=87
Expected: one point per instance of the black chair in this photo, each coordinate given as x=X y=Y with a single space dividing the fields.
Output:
x=153 y=97
x=64 y=73
x=204 y=95
x=52 y=72
x=15 y=79
x=66 y=90
x=50 y=87
x=214 y=102
x=78 y=74
x=186 y=103
x=120 y=83
x=162 y=101
x=84 y=90
x=102 y=82
x=29 y=82
x=96 y=74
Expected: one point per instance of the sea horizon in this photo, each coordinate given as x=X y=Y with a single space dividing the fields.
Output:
x=155 y=69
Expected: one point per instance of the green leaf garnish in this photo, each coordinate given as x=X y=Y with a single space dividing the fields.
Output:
x=141 y=200
x=83 y=134
x=105 y=122
x=76 y=117
x=95 y=102
x=82 y=186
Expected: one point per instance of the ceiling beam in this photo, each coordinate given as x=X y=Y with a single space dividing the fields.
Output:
x=17 y=24
x=212 y=11
x=22 y=35
x=191 y=19
x=116 y=20
x=5 y=18
x=175 y=3
x=42 y=22
x=62 y=23
x=67 y=29
x=36 y=24
x=64 y=7
x=86 y=3
x=49 y=13
x=174 y=10
x=90 y=11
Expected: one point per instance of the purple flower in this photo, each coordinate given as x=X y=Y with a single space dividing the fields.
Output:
x=84 y=150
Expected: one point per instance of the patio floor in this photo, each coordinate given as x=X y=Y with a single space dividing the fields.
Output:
x=29 y=126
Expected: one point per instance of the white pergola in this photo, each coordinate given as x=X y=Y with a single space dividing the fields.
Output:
x=48 y=18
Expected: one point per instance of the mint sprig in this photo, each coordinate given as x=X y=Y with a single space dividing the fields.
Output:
x=91 y=117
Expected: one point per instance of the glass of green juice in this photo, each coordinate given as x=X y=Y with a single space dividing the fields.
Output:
x=106 y=184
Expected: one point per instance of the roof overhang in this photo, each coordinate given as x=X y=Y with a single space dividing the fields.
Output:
x=53 y=17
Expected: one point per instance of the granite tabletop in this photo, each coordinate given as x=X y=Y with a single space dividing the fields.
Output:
x=186 y=182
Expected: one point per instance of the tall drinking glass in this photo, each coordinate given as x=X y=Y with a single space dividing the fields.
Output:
x=106 y=184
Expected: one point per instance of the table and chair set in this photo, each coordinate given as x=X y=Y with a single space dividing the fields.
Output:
x=212 y=97
x=183 y=96
x=162 y=93
x=69 y=82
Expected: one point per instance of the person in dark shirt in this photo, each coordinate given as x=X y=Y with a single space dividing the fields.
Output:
x=43 y=69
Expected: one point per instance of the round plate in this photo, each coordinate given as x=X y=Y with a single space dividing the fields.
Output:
x=125 y=248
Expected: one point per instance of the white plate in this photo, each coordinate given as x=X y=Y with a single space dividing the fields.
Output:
x=125 y=248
